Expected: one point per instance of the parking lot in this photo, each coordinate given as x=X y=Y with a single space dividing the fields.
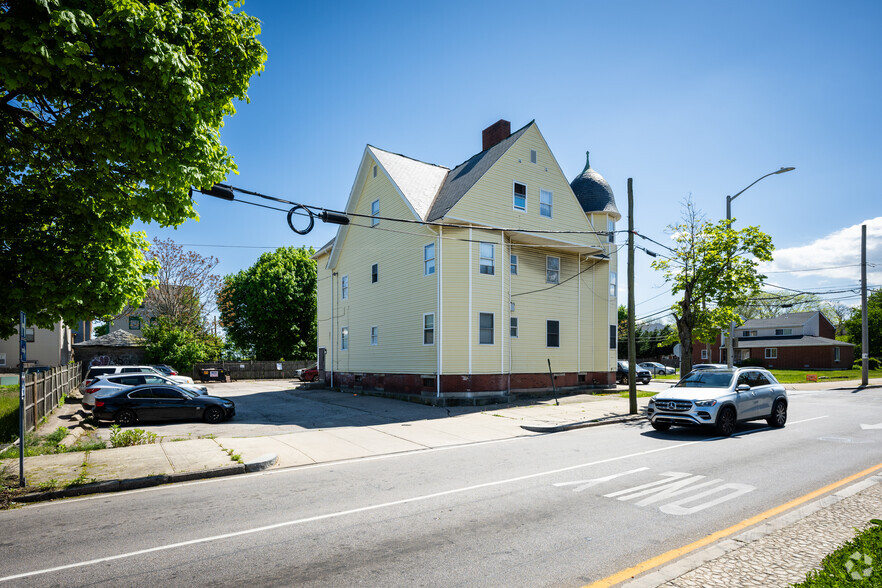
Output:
x=276 y=407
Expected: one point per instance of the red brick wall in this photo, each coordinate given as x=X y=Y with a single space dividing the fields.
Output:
x=800 y=358
x=413 y=383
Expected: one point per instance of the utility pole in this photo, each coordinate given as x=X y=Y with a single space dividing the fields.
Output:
x=865 y=334
x=22 y=360
x=632 y=343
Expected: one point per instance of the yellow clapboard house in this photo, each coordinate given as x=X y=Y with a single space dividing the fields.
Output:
x=465 y=282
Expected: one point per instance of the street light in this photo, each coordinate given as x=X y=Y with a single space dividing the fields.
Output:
x=729 y=199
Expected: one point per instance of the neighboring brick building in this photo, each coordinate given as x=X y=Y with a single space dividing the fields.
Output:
x=799 y=340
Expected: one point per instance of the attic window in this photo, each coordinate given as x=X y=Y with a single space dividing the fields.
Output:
x=532 y=156
x=520 y=196
x=375 y=212
x=375 y=171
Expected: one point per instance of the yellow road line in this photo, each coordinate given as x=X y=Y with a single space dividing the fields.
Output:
x=681 y=551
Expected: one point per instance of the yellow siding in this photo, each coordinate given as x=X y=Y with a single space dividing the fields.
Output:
x=396 y=302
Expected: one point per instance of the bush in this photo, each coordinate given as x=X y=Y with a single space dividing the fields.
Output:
x=751 y=362
x=847 y=566
x=874 y=364
x=129 y=437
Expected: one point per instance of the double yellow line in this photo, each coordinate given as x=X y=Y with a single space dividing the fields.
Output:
x=681 y=551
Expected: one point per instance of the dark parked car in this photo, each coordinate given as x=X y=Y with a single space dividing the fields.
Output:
x=641 y=375
x=160 y=403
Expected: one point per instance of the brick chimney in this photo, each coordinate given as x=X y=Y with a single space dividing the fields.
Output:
x=495 y=133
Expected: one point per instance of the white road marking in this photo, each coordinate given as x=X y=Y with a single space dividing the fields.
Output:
x=878 y=426
x=585 y=484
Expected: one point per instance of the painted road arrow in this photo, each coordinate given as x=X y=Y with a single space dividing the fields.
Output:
x=879 y=426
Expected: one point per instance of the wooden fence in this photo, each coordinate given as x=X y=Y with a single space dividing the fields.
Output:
x=43 y=391
x=254 y=370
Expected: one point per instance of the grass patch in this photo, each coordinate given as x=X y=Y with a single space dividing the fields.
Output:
x=856 y=563
x=640 y=394
x=8 y=413
x=798 y=376
x=129 y=437
x=50 y=444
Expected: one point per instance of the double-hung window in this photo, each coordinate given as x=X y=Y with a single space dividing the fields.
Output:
x=783 y=332
x=552 y=269
x=771 y=353
x=613 y=335
x=487 y=250
x=429 y=259
x=611 y=227
x=375 y=335
x=344 y=287
x=344 y=338
x=552 y=333
x=513 y=327
x=375 y=212
x=613 y=284
x=520 y=196
x=485 y=326
x=514 y=265
x=375 y=273
x=545 y=203
x=429 y=328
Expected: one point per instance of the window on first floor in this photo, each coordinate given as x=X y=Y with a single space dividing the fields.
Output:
x=344 y=338
x=836 y=354
x=375 y=335
x=552 y=269
x=552 y=333
x=485 y=327
x=29 y=334
x=2 y=359
x=771 y=353
x=487 y=255
x=704 y=354
x=513 y=326
x=429 y=328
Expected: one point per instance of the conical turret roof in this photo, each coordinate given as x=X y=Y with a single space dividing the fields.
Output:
x=593 y=192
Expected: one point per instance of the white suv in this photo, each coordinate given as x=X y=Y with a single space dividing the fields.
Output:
x=720 y=398
x=107 y=370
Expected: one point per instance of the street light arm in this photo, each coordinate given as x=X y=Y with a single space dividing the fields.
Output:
x=780 y=171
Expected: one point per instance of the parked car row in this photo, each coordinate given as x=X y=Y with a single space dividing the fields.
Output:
x=130 y=393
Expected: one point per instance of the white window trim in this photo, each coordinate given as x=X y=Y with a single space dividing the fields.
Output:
x=513 y=263
x=547 y=346
x=344 y=338
x=493 y=332
x=534 y=156
x=704 y=354
x=613 y=284
x=773 y=354
x=425 y=314
x=344 y=287
x=374 y=220
x=513 y=326
x=550 y=203
x=375 y=331
x=426 y=260
x=526 y=190
x=492 y=259
x=784 y=332
x=547 y=257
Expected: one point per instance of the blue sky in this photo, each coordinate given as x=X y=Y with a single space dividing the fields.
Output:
x=686 y=98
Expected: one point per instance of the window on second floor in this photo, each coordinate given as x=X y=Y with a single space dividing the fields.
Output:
x=344 y=338
x=613 y=284
x=375 y=335
x=748 y=333
x=611 y=227
x=375 y=212
x=429 y=259
x=520 y=196
x=783 y=332
x=134 y=323
x=375 y=273
x=487 y=254
x=513 y=326
x=514 y=265
x=552 y=270
x=545 y=203
x=344 y=287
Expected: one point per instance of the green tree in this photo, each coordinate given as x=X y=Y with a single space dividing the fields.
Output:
x=713 y=269
x=269 y=309
x=110 y=111
x=180 y=346
x=874 y=326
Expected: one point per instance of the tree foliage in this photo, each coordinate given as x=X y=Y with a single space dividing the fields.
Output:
x=110 y=111
x=714 y=270
x=853 y=326
x=269 y=309
x=180 y=346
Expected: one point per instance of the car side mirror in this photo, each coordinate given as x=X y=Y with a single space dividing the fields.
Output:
x=742 y=388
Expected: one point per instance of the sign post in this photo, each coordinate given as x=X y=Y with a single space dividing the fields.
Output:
x=22 y=359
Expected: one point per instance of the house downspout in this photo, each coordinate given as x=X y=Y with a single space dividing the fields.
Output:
x=471 y=333
x=333 y=325
x=502 y=314
x=510 y=340
x=438 y=351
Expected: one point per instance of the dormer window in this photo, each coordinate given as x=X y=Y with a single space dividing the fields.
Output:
x=783 y=332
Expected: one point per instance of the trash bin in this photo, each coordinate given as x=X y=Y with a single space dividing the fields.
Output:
x=213 y=375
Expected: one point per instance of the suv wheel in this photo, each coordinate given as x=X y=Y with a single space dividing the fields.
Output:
x=779 y=415
x=726 y=421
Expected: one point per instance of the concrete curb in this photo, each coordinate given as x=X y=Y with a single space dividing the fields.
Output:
x=611 y=420
x=131 y=484
x=261 y=463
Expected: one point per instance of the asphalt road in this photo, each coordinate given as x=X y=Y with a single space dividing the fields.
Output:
x=561 y=509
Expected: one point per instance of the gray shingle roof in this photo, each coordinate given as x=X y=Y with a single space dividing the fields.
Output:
x=793 y=319
x=115 y=339
x=461 y=178
x=593 y=192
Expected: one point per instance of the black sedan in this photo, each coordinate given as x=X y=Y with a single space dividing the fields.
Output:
x=160 y=403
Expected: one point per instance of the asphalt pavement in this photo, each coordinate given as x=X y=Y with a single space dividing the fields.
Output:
x=321 y=425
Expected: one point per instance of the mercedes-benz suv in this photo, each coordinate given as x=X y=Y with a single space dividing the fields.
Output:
x=720 y=398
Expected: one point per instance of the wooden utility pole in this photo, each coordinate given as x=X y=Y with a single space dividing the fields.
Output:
x=632 y=343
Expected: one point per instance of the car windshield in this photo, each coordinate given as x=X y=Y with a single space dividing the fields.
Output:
x=706 y=379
